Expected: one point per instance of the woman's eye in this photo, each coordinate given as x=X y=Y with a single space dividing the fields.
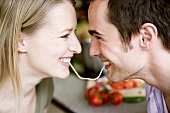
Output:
x=75 y=31
x=65 y=36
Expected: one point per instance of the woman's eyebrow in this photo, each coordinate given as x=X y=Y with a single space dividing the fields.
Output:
x=69 y=30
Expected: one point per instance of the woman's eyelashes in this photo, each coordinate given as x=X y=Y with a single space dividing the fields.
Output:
x=65 y=36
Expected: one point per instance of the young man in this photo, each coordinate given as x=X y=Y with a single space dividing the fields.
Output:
x=132 y=37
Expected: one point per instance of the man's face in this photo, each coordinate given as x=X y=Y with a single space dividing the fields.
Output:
x=106 y=44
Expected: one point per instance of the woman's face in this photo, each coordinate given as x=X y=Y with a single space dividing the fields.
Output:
x=52 y=46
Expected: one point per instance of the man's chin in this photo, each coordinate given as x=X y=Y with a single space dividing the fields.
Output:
x=114 y=78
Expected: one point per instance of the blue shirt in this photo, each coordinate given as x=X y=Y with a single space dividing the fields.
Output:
x=155 y=100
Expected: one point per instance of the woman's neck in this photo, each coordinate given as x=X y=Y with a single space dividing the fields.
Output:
x=29 y=83
x=11 y=103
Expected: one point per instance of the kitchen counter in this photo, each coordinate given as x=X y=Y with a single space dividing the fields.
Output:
x=70 y=94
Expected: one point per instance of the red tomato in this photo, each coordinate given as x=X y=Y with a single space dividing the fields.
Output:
x=96 y=99
x=92 y=89
x=128 y=84
x=135 y=84
x=117 y=86
x=89 y=92
x=116 y=98
x=106 y=97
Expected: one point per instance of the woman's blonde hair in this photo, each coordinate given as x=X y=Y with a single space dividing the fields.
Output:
x=18 y=16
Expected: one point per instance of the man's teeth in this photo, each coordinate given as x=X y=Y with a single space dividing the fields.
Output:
x=65 y=60
x=106 y=63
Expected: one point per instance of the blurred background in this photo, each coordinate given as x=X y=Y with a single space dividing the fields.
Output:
x=85 y=65
x=69 y=93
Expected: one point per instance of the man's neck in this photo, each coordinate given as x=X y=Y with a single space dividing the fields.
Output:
x=167 y=100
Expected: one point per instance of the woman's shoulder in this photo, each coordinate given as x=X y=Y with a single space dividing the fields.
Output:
x=44 y=92
x=45 y=88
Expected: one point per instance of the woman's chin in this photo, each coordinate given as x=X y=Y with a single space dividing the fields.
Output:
x=63 y=75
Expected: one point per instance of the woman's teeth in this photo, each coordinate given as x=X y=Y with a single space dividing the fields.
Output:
x=65 y=60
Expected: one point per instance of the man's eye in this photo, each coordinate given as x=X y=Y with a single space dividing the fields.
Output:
x=98 y=37
x=65 y=36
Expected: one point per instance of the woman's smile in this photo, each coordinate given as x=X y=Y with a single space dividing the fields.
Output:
x=65 y=61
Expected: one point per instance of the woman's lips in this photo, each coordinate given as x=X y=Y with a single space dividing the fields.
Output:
x=65 y=61
x=66 y=64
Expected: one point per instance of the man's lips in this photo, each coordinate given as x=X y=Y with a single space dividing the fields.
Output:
x=107 y=64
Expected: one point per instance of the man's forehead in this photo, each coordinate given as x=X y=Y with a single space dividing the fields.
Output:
x=98 y=2
x=97 y=15
x=98 y=6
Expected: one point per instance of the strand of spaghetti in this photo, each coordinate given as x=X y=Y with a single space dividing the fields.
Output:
x=86 y=78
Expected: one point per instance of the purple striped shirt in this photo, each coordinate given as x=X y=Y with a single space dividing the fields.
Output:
x=155 y=100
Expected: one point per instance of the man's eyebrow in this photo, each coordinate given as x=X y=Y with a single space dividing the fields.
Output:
x=91 y=32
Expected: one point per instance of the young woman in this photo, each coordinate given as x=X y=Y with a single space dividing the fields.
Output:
x=37 y=40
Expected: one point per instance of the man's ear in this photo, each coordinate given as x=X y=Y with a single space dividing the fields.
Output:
x=149 y=35
x=21 y=43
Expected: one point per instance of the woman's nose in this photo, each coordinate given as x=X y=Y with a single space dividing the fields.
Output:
x=94 y=48
x=75 y=45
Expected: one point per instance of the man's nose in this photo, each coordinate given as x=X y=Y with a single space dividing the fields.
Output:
x=94 y=48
